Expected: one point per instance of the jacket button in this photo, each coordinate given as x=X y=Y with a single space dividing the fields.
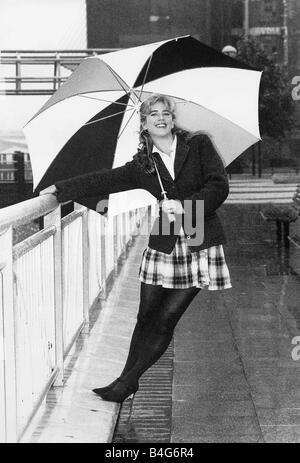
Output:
x=188 y=237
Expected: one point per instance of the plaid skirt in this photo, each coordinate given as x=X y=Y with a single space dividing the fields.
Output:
x=184 y=269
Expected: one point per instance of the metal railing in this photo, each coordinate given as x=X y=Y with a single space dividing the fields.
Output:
x=54 y=67
x=48 y=284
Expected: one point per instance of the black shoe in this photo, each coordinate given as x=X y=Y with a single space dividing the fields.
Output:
x=118 y=392
x=100 y=390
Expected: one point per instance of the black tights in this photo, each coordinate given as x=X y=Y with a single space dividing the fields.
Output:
x=159 y=311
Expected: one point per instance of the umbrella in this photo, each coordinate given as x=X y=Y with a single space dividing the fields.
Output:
x=92 y=120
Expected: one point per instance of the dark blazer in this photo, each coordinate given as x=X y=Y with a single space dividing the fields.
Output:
x=199 y=175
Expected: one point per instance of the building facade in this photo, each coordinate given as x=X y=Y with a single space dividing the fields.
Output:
x=294 y=37
x=119 y=23
x=275 y=24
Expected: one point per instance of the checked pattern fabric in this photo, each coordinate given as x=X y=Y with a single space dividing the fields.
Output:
x=184 y=269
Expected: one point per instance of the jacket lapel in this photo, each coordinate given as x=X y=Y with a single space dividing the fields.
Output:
x=163 y=171
x=182 y=150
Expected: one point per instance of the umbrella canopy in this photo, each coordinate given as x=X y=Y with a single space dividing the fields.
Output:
x=92 y=120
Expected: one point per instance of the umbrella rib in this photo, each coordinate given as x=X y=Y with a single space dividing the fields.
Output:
x=107 y=117
x=117 y=77
x=107 y=101
x=131 y=116
x=145 y=76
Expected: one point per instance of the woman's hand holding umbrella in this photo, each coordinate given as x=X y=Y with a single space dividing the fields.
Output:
x=172 y=206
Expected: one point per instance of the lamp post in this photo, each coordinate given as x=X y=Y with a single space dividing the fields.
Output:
x=246 y=19
x=285 y=33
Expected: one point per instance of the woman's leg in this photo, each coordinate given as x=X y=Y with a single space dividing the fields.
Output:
x=161 y=328
x=160 y=310
x=151 y=300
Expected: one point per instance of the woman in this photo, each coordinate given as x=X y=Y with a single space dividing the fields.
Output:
x=172 y=272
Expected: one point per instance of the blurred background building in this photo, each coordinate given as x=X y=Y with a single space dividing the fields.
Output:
x=65 y=31
x=274 y=23
x=81 y=24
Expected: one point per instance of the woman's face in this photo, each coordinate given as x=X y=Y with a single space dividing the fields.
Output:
x=159 y=122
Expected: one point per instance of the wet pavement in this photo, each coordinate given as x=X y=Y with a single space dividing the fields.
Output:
x=236 y=371
x=231 y=373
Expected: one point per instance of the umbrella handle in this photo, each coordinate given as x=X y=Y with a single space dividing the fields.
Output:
x=147 y=141
x=170 y=215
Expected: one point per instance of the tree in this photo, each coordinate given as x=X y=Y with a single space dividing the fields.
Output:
x=276 y=106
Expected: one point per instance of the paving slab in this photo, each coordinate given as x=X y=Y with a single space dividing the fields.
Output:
x=234 y=376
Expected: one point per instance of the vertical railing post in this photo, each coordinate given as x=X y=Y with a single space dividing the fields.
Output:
x=57 y=73
x=253 y=160
x=54 y=218
x=18 y=74
x=8 y=331
x=127 y=233
x=123 y=236
x=103 y=257
x=20 y=174
x=259 y=159
x=115 y=241
x=85 y=262
x=130 y=214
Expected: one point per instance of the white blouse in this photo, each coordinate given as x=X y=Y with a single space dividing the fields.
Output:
x=169 y=159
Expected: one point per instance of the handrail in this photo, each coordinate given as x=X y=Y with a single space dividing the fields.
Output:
x=32 y=241
x=15 y=83
x=62 y=269
x=21 y=213
x=67 y=50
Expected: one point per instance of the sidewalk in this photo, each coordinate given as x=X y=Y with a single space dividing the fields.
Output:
x=234 y=376
x=263 y=190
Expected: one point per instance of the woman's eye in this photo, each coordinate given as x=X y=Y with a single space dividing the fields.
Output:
x=164 y=114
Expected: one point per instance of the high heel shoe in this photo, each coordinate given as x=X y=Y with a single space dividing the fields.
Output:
x=131 y=399
x=118 y=392
x=100 y=390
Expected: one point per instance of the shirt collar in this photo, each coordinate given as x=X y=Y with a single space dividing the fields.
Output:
x=173 y=149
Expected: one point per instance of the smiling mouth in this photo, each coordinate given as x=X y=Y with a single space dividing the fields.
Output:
x=161 y=125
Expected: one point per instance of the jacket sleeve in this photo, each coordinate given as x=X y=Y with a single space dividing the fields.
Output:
x=215 y=180
x=101 y=182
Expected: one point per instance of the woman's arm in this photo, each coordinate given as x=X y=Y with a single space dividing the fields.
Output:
x=102 y=182
x=216 y=185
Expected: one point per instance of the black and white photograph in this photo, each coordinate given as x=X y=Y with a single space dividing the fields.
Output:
x=149 y=224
